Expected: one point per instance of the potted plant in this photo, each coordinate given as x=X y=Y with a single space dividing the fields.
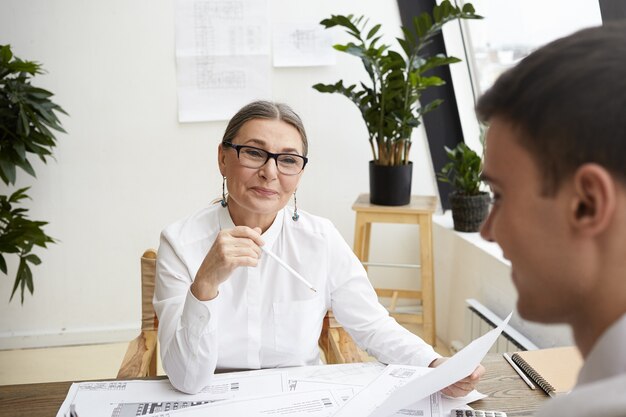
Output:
x=389 y=103
x=470 y=205
x=27 y=118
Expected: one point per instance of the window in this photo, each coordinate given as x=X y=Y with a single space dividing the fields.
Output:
x=511 y=29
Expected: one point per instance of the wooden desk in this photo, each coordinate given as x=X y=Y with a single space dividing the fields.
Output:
x=506 y=390
x=36 y=400
x=419 y=212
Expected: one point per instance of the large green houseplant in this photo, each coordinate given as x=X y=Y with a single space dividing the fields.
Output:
x=470 y=205
x=27 y=118
x=390 y=102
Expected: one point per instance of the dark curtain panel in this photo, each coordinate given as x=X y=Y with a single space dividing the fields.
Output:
x=443 y=125
x=612 y=10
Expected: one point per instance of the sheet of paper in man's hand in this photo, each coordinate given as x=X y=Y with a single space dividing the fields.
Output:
x=373 y=402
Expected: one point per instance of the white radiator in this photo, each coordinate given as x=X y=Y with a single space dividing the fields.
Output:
x=479 y=320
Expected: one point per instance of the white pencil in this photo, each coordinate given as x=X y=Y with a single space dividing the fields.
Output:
x=519 y=371
x=288 y=268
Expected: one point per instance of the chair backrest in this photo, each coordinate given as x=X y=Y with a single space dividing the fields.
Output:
x=149 y=320
x=140 y=359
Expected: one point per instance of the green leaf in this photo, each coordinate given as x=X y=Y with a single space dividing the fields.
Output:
x=355 y=50
x=18 y=281
x=3 y=264
x=18 y=195
x=437 y=14
x=468 y=8
x=26 y=166
x=8 y=171
x=409 y=38
x=405 y=46
x=28 y=67
x=24 y=125
x=446 y=8
x=5 y=54
x=433 y=81
x=33 y=259
x=426 y=23
x=373 y=31
x=20 y=149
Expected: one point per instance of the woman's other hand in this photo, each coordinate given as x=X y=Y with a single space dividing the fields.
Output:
x=232 y=248
x=464 y=386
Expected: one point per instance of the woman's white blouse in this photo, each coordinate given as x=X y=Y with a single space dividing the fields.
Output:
x=264 y=317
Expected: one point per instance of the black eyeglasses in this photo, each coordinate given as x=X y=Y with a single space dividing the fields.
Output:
x=251 y=157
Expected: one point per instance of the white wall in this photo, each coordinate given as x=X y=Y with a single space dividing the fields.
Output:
x=466 y=266
x=127 y=168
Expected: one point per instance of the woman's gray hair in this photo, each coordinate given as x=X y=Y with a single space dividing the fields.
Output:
x=262 y=109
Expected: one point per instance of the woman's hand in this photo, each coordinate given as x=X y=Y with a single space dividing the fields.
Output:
x=464 y=386
x=232 y=248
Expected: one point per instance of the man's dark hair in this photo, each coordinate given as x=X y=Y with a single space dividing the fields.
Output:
x=567 y=101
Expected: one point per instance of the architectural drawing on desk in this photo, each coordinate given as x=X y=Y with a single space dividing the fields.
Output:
x=344 y=380
x=222 y=391
x=142 y=409
x=226 y=390
x=103 y=386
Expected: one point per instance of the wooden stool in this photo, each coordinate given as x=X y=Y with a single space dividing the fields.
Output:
x=419 y=211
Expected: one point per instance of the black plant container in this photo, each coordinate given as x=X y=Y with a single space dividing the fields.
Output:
x=469 y=211
x=390 y=185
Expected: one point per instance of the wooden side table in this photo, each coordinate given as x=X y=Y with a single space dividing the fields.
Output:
x=419 y=211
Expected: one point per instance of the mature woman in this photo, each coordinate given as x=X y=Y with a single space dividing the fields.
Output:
x=223 y=303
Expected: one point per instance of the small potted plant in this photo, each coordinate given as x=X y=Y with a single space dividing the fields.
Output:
x=470 y=205
x=390 y=102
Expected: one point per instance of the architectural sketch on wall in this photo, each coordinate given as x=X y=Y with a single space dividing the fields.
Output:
x=302 y=45
x=222 y=57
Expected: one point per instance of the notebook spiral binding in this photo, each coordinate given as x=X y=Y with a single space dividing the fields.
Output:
x=538 y=379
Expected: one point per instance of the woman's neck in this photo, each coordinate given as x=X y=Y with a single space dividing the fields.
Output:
x=251 y=220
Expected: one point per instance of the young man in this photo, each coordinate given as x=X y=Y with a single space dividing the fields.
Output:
x=556 y=163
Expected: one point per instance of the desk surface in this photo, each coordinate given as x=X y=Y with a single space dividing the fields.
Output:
x=507 y=392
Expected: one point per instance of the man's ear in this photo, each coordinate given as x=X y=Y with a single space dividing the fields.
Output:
x=594 y=201
x=221 y=159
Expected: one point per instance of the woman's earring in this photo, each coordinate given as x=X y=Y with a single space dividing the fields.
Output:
x=224 y=202
x=295 y=216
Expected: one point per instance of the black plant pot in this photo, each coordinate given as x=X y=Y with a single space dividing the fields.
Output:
x=390 y=185
x=469 y=211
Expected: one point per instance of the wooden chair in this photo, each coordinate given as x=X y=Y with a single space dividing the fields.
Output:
x=140 y=359
x=337 y=345
x=141 y=355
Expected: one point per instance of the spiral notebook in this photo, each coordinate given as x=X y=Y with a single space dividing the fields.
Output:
x=555 y=370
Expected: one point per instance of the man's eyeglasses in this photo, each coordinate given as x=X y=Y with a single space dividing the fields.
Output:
x=251 y=157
